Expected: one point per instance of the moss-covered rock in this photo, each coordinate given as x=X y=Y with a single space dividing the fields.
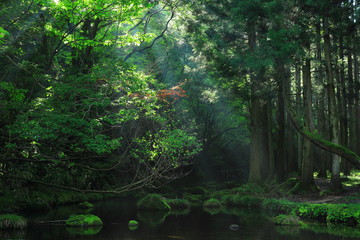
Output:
x=196 y=190
x=133 y=225
x=286 y=220
x=84 y=220
x=85 y=205
x=12 y=221
x=242 y=200
x=178 y=203
x=153 y=202
x=212 y=203
x=194 y=199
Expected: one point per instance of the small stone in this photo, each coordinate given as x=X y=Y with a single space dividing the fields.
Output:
x=234 y=227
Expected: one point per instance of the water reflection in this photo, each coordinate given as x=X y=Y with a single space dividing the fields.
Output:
x=84 y=230
x=190 y=224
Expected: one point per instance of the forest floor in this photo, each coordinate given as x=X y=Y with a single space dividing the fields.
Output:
x=350 y=194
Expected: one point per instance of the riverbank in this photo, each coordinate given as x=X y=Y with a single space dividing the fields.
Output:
x=43 y=199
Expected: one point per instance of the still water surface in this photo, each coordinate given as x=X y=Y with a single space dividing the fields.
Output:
x=195 y=224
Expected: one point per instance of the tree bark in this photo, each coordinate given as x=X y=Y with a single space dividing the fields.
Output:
x=259 y=154
x=333 y=115
x=300 y=139
x=307 y=167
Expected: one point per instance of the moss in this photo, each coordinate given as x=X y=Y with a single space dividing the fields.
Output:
x=212 y=203
x=331 y=145
x=286 y=187
x=194 y=199
x=12 y=221
x=178 y=203
x=280 y=206
x=286 y=220
x=83 y=220
x=154 y=202
x=133 y=225
x=86 y=205
x=220 y=194
x=250 y=189
x=196 y=190
x=241 y=200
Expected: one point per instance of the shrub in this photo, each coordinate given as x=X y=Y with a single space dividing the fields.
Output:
x=12 y=221
x=343 y=214
x=316 y=212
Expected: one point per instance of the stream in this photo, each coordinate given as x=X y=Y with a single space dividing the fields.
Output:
x=193 y=224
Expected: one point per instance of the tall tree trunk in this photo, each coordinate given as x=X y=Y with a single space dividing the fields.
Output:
x=322 y=166
x=334 y=122
x=343 y=106
x=259 y=154
x=307 y=167
x=300 y=138
x=281 y=171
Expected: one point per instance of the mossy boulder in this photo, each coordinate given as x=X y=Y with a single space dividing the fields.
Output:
x=286 y=220
x=196 y=190
x=86 y=205
x=212 y=203
x=12 y=221
x=241 y=200
x=153 y=202
x=133 y=224
x=194 y=199
x=178 y=203
x=83 y=220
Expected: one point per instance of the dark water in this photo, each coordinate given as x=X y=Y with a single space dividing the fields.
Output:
x=195 y=224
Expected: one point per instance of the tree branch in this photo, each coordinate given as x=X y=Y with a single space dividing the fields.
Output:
x=154 y=40
x=324 y=144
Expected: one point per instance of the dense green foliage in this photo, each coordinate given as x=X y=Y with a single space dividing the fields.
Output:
x=73 y=110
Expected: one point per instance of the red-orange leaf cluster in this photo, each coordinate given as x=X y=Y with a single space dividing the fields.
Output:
x=172 y=94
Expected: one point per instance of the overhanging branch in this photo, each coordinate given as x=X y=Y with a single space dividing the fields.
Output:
x=324 y=144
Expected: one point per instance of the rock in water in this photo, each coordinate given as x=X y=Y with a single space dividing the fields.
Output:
x=234 y=227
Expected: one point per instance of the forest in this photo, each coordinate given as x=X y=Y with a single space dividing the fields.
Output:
x=123 y=97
